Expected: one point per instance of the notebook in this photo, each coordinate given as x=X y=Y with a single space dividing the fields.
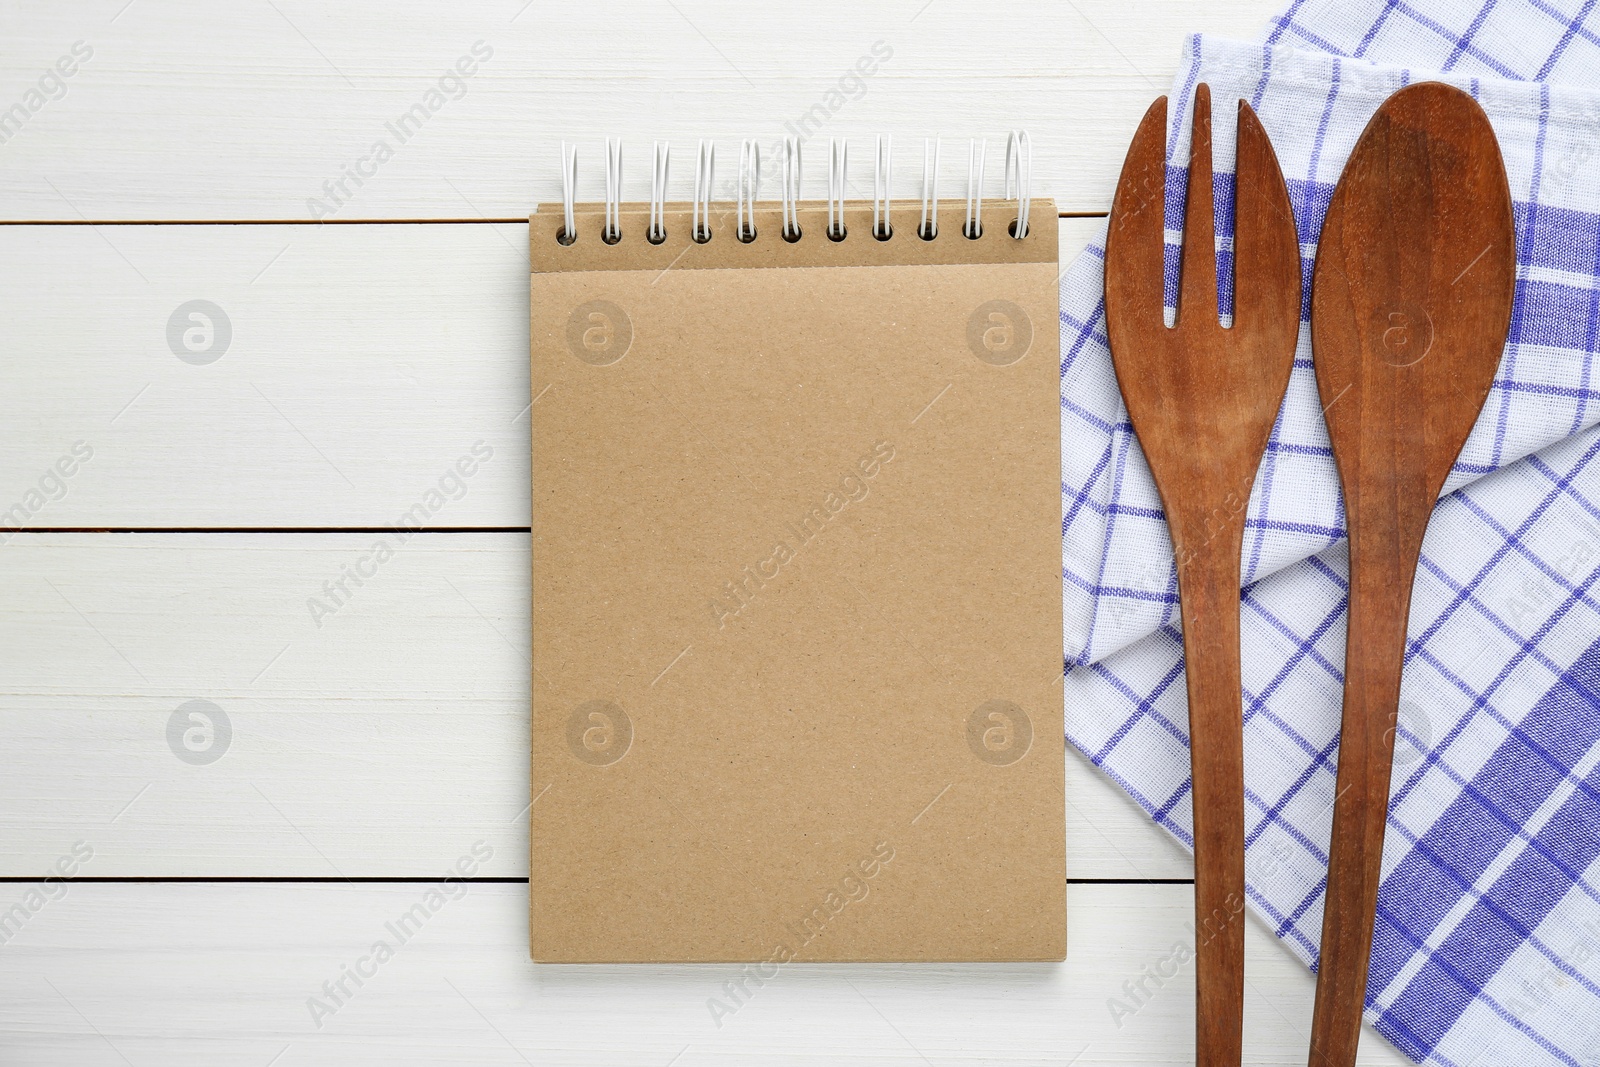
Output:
x=797 y=621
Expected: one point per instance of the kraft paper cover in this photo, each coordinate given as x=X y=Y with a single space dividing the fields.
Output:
x=796 y=593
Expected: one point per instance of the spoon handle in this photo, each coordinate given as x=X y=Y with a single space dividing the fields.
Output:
x=1382 y=567
x=1208 y=584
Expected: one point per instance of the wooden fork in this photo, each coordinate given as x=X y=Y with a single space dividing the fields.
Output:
x=1202 y=400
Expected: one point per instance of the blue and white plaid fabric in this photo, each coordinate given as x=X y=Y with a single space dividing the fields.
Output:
x=1487 y=949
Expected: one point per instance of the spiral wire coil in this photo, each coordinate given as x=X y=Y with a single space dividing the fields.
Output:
x=704 y=172
x=569 y=192
x=977 y=149
x=1019 y=168
x=749 y=187
x=838 y=165
x=882 y=173
x=612 y=233
x=658 y=193
x=928 y=225
x=791 y=189
x=1018 y=187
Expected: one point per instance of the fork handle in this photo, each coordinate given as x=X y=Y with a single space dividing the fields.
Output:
x=1208 y=586
x=1381 y=573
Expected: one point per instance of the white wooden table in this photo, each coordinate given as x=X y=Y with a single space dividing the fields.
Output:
x=233 y=861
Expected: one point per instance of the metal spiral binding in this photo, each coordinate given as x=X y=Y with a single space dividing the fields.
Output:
x=658 y=194
x=882 y=166
x=1019 y=166
x=977 y=149
x=838 y=165
x=791 y=189
x=569 y=189
x=704 y=168
x=612 y=233
x=1018 y=187
x=749 y=186
x=928 y=227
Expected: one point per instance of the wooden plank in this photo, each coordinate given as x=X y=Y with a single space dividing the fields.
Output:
x=369 y=745
x=357 y=365
x=361 y=362
x=206 y=974
x=259 y=111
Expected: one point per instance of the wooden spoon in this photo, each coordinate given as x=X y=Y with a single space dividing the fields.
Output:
x=1202 y=400
x=1411 y=302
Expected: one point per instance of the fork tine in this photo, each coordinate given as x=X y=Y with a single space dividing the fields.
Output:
x=1266 y=248
x=1134 y=241
x=1197 y=278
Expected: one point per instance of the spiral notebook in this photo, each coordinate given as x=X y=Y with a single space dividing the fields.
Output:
x=797 y=619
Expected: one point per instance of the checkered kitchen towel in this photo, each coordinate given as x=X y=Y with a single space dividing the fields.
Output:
x=1487 y=948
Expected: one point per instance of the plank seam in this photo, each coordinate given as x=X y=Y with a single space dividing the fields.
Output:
x=475 y=221
x=434 y=879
